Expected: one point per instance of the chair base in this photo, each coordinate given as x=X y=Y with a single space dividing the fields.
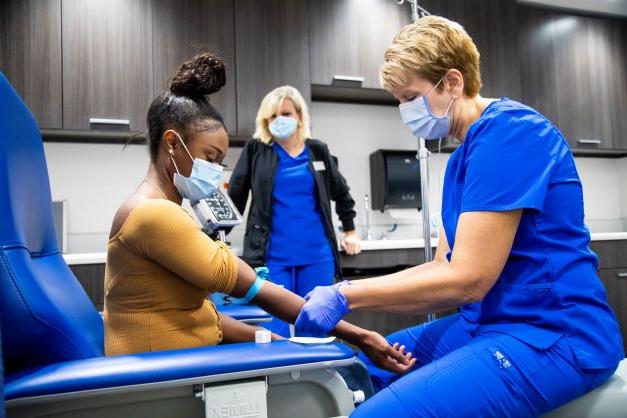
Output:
x=304 y=394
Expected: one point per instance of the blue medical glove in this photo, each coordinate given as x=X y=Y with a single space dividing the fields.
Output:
x=325 y=307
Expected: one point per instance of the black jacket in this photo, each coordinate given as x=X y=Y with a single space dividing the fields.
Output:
x=255 y=171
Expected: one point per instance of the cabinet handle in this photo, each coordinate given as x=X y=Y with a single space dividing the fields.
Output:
x=621 y=275
x=348 y=78
x=589 y=141
x=101 y=121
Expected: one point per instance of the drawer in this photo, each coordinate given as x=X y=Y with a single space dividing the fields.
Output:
x=612 y=254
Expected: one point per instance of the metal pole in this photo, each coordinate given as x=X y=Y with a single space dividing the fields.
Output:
x=423 y=157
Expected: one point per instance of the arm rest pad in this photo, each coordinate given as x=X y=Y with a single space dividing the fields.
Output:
x=243 y=312
x=134 y=369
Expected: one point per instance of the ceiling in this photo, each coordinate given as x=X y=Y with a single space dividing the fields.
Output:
x=605 y=7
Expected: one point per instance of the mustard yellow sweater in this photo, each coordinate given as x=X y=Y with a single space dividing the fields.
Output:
x=160 y=269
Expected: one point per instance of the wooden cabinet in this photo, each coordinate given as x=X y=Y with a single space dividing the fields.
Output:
x=30 y=55
x=107 y=61
x=612 y=254
x=376 y=259
x=182 y=29
x=272 y=49
x=91 y=277
x=492 y=26
x=613 y=273
x=349 y=38
x=573 y=71
x=615 y=281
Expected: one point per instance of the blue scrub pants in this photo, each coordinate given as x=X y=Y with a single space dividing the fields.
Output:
x=488 y=375
x=300 y=280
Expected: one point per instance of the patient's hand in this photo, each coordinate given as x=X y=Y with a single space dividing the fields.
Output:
x=388 y=357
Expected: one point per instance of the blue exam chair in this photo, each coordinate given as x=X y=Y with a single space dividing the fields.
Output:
x=52 y=336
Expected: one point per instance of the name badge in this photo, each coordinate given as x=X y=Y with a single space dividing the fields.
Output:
x=319 y=166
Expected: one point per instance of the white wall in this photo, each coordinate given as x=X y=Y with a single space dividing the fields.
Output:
x=95 y=179
x=602 y=193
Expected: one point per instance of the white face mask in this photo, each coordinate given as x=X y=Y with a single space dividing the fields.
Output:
x=282 y=127
x=421 y=121
x=202 y=181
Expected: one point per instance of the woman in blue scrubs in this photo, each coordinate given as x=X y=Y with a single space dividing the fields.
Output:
x=534 y=330
x=292 y=179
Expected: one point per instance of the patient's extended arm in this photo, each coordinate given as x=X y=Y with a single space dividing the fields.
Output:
x=287 y=305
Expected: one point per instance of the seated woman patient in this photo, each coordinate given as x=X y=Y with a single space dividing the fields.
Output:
x=160 y=265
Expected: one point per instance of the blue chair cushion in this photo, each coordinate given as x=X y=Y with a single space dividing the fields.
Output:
x=133 y=369
x=244 y=312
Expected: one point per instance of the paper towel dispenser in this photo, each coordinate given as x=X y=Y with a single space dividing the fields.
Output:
x=395 y=180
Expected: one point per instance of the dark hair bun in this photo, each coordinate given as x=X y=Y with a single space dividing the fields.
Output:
x=197 y=77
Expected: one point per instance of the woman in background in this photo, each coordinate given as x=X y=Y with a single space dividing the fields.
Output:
x=293 y=178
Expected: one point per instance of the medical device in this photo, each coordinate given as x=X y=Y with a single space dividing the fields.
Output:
x=217 y=213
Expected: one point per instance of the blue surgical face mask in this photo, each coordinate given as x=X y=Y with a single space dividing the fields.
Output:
x=282 y=127
x=202 y=181
x=421 y=121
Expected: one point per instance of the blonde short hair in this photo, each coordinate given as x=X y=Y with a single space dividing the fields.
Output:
x=270 y=106
x=430 y=47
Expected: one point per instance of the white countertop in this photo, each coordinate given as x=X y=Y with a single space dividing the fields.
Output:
x=85 y=258
x=393 y=244
x=388 y=244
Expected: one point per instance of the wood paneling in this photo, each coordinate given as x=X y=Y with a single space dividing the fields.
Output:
x=349 y=37
x=107 y=61
x=184 y=28
x=30 y=55
x=612 y=254
x=615 y=281
x=492 y=24
x=272 y=49
x=573 y=72
x=91 y=277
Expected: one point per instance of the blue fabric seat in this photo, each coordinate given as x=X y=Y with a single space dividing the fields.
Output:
x=106 y=372
x=52 y=336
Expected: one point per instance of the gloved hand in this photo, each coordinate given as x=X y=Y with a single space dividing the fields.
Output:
x=325 y=307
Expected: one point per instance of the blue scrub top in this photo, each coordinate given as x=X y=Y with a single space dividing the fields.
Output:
x=298 y=236
x=514 y=158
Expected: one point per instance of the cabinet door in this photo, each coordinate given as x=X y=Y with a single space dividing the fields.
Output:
x=30 y=55
x=573 y=72
x=349 y=37
x=272 y=49
x=492 y=26
x=615 y=281
x=537 y=61
x=182 y=29
x=616 y=34
x=107 y=60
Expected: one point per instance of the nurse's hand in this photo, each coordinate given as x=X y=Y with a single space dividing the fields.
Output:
x=350 y=243
x=393 y=358
x=324 y=308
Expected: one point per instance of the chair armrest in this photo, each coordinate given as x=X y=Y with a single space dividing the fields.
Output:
x=245 y=313
x=178 y=367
